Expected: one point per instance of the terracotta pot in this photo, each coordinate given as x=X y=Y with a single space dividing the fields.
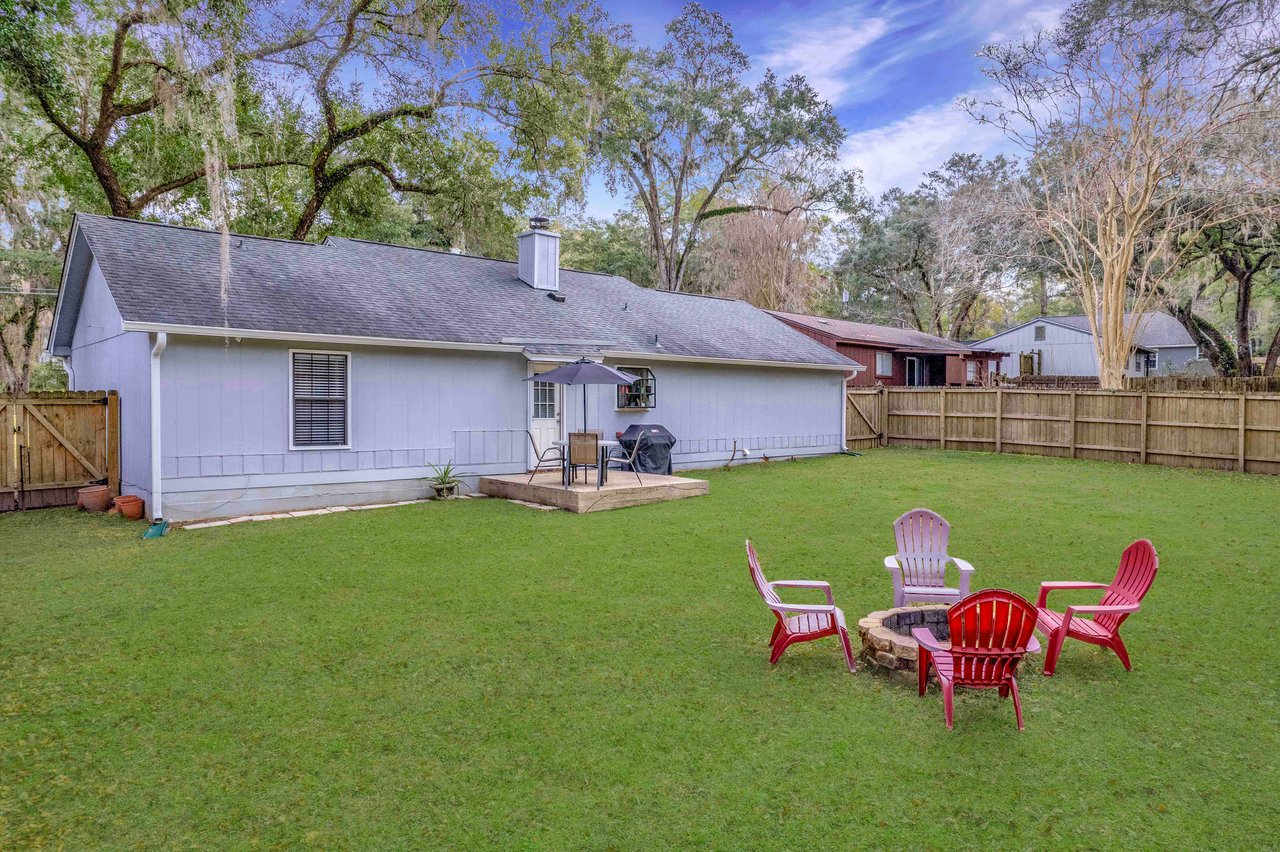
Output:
x=95 y=498
x=131 y=506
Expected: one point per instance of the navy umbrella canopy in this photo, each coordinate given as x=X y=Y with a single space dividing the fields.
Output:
x=584 y=371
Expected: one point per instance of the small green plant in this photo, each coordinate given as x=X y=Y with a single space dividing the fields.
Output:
x=446 y=480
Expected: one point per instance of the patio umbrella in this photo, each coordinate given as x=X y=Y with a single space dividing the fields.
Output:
x=584 y=372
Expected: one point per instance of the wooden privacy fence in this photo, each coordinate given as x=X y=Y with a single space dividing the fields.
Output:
x=1217 y=431
x=52 y=444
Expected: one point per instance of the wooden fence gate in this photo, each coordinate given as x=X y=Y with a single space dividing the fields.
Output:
x=52 y=444
x=862 y=428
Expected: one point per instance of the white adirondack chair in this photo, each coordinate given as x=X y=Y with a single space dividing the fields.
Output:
x=919 y=569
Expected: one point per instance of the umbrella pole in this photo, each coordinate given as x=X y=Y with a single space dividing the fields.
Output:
x=584 y=408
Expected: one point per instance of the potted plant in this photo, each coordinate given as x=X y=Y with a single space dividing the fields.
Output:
x=446 y=480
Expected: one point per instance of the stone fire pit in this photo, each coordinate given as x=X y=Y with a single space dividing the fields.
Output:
x=886 y=636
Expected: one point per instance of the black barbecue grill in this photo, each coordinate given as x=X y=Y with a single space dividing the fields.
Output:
x=655 y=449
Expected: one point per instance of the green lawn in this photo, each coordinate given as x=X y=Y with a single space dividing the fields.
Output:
x=478 y=674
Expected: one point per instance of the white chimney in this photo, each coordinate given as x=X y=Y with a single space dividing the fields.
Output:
x=539 y=256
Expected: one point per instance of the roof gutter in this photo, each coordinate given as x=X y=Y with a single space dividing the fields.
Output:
x=306 y=337
x=850 y=367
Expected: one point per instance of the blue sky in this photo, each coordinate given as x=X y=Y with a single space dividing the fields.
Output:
x=892 y=70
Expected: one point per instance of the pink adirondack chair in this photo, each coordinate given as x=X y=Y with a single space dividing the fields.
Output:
x=991 y=630
x=799 y=622
x=919 y=569
x=1124 y=594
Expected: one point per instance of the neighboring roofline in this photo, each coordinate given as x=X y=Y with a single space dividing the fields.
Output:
x=348 y=339
x=1054 y=322
x=906 y=348
x=1050 y=320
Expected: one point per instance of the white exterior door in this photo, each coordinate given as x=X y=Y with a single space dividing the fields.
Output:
x=545 y=418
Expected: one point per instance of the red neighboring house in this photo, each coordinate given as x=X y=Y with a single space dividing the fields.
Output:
x=898 y=356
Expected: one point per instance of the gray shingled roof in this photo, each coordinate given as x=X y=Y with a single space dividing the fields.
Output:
x=170 y=275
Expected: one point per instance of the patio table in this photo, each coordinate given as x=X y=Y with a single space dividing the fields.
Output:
x=602 y=475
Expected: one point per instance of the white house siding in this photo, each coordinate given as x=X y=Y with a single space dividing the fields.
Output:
x=105 y=357
x=1065 y=352
x=225 y=445
x=770 y=410
x=226 y=426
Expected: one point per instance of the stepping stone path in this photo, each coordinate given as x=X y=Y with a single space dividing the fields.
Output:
x=301 y=513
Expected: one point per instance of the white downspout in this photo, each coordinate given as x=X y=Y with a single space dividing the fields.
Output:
x=157 y=349
x=844 y=413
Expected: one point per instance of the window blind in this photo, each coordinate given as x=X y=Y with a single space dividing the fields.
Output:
x=319 y=399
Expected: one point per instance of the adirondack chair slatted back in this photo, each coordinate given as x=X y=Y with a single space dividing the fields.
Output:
x=757 y=577
x=1137 y=571
x=922 y=538
x=989 y=634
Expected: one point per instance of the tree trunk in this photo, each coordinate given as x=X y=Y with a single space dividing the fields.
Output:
x=1042 y=293
x=110 y=182
x=1244 y=331
x=1213 y=345
x=1273 y=355
x=323 y=185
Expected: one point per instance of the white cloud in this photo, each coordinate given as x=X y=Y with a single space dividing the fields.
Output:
x=855 y=52
x=899 y=153
x=826 y=51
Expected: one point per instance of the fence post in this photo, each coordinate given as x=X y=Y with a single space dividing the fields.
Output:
x=942 y=421
x=1072 y=425
x=113 y=442
x=883 y=416
x=1142 y=446
x=999 y=418
x=1240 y=461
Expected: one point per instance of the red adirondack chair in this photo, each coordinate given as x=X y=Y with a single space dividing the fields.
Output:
x=991 y=630
x=799 y=622
x=1124 y=594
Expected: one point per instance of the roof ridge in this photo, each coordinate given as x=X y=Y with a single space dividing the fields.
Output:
x=451 y=253
x=207 y=231
x=695 y=295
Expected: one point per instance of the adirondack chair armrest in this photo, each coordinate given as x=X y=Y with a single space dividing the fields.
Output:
x=925 y=639
x=805 y=584
x=962 y=565
x=1054 y=585
x=1033 y=645
x=891 y=563
x=1116 y=609
x=784 y=608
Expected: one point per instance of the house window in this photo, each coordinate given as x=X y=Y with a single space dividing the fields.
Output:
x=320 y=383
x=544 y=401
x=884 y=363
x=640 y=394
x=1039 y=332
x=970 y=371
